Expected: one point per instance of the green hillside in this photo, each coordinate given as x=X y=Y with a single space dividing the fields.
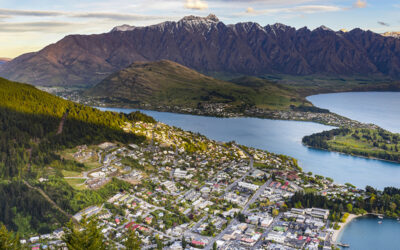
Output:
x=168 y=83
x=29 y=140
x=372 y=143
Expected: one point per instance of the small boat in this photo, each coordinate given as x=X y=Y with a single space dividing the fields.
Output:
x=380 y=222
x=343 y=245
x=380 y=216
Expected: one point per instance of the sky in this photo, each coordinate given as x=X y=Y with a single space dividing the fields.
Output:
x=30 y=25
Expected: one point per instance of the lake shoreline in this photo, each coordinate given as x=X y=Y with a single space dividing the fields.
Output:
x=353 y=155
x=337 y=233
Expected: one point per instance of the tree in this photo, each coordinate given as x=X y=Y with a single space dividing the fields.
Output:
x=8 y=240
x=215 y=246
x=184 y=243
x=86 y=235
x=349 y=208
x=132 y=242
x=275 y=212
x=393 y=206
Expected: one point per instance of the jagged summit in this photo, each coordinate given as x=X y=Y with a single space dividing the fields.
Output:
x=323 y=27
x=208 y=45
x=124 y=27
x=209 y=18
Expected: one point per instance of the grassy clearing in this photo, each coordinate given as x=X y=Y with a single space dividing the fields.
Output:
x=78 y=184
x=69 y=173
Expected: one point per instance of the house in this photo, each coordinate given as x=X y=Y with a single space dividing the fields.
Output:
x=148 y=220
x=34 y=239
x=320 y=213
x=248 y=186
x=297 y=211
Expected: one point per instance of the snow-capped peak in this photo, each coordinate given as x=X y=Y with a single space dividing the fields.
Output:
x=124 y=27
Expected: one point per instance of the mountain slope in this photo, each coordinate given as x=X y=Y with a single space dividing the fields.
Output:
x=29 y=142
x=168 y=83
x=208 y=46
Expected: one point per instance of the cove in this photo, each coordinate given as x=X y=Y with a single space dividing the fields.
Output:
x=366 y=233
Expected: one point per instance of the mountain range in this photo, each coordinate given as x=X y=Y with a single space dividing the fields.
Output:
x=210 y=46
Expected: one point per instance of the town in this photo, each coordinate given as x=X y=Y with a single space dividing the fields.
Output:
x=189 y=192
x=222 y=110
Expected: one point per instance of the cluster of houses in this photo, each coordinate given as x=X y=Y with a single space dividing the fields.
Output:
x=181 y=191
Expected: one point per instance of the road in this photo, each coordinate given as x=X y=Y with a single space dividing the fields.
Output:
x=266 y=231
x=221 y=234
x=256 y=195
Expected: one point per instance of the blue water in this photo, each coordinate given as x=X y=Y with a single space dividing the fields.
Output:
x=380 y=108
x=365 y=233
x=284 y=137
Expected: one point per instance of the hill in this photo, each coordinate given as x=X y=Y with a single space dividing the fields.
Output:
x=34 y=126
x=371 y=143
x=166 y=83
x=210 y=46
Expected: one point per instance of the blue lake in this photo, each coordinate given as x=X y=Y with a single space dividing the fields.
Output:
x=365 y=233
x=380 y=108
x=284 y=137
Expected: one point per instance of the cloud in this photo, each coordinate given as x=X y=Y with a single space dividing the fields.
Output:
x=304 y=9
x=53 y=27
x=383 y=23
x=116 y=16
x=196 y=4
x=360 y=4
x=38 y=13
x=9 y=13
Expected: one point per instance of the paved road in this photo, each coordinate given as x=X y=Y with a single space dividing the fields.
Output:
x=256 y=195
x=266 y=231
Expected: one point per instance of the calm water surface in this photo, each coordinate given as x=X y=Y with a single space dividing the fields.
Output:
x=365 y=233
x=284 y=137
x=380 y=108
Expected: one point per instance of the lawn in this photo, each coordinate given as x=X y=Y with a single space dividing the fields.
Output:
x=77 y=184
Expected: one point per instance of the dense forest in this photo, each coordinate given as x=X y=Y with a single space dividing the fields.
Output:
x=377 y=143
x=385 y=202
x=33 y=126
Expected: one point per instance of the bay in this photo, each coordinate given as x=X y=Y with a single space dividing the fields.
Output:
x=364 y=233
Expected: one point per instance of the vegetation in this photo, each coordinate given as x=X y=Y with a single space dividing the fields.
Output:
x=166 y=83
x=9 y=240
x=377 y=143
x=86 y=235
x=385 y=202
x=34 y=127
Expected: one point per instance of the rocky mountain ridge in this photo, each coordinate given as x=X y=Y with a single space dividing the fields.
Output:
x=210 y=46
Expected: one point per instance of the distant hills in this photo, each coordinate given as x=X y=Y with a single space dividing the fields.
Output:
x=4 y=60
x=210 y=46
x=166 y=83
x=392 y=34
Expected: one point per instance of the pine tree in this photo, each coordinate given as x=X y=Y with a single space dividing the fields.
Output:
x=85 y=236
x=9 y=240
x=133 y=242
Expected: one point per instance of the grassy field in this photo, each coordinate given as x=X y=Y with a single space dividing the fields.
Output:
x=374 y=143
x=77 y=184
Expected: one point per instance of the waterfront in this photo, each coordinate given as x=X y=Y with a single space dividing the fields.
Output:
x=365 y=233
x=284 y=137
